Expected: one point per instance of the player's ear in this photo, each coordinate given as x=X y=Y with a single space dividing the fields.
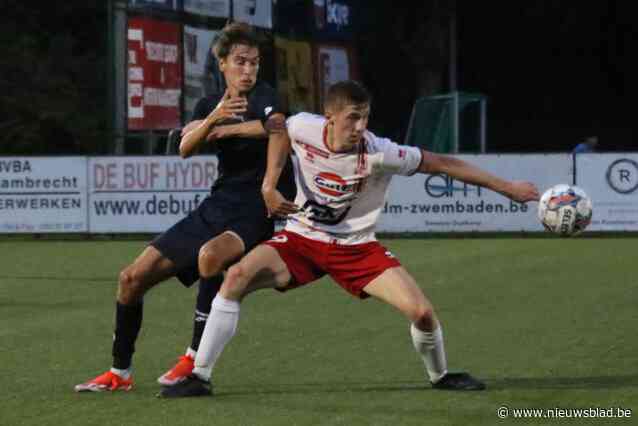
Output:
x=328 y=113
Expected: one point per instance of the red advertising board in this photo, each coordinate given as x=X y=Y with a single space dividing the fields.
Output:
x=154 y=74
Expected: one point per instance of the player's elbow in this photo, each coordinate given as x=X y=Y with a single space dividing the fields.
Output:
x=276 y=124
x=432 y=163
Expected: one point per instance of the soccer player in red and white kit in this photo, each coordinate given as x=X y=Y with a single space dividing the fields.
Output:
x=342 y=172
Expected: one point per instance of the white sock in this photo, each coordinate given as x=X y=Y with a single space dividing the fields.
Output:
x=125 y=374
x=430 y=346
x=220 y=328
x=190 y=352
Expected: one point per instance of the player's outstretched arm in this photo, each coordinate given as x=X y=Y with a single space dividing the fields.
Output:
x=458 y=169
x=278 y=151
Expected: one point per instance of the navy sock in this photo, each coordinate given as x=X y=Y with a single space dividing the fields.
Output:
x=128 y=322
x=208 y=288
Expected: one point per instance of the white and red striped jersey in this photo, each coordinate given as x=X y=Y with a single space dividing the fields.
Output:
x=341 y=194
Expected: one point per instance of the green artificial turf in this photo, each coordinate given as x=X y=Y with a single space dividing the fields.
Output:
x=547 y=323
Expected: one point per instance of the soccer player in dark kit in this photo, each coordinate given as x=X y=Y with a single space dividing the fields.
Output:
x=228 y=223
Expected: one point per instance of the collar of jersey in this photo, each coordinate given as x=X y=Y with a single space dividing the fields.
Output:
x=325 y=142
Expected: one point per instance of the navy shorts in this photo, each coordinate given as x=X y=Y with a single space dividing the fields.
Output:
x=214 y=216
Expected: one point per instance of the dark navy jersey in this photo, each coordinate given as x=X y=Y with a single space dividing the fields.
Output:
x=242 y=161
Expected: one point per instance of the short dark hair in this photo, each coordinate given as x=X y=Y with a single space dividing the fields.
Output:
x=347 y=92
x=232 y=34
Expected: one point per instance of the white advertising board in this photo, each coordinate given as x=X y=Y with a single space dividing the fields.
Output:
x=436 y=203
x=218 y=8
x=611 y=181
x=146 y=194
x=43 y=195
x=257 y=13
x=149 y=194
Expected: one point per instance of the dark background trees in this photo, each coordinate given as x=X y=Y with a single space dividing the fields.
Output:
x=553 y=72
x=52 y=79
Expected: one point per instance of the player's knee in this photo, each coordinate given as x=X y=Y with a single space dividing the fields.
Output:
x=130 y=288
x=209 y=262
x=425 y=318
x=421 y=313
x=235 y=281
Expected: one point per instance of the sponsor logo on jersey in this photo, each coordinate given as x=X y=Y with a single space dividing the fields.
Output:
x=332 y=184
x=401 y=153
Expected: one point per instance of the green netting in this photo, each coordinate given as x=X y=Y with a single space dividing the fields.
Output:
x=432 y=125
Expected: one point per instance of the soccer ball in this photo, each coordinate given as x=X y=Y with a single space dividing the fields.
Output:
x=565 y=210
